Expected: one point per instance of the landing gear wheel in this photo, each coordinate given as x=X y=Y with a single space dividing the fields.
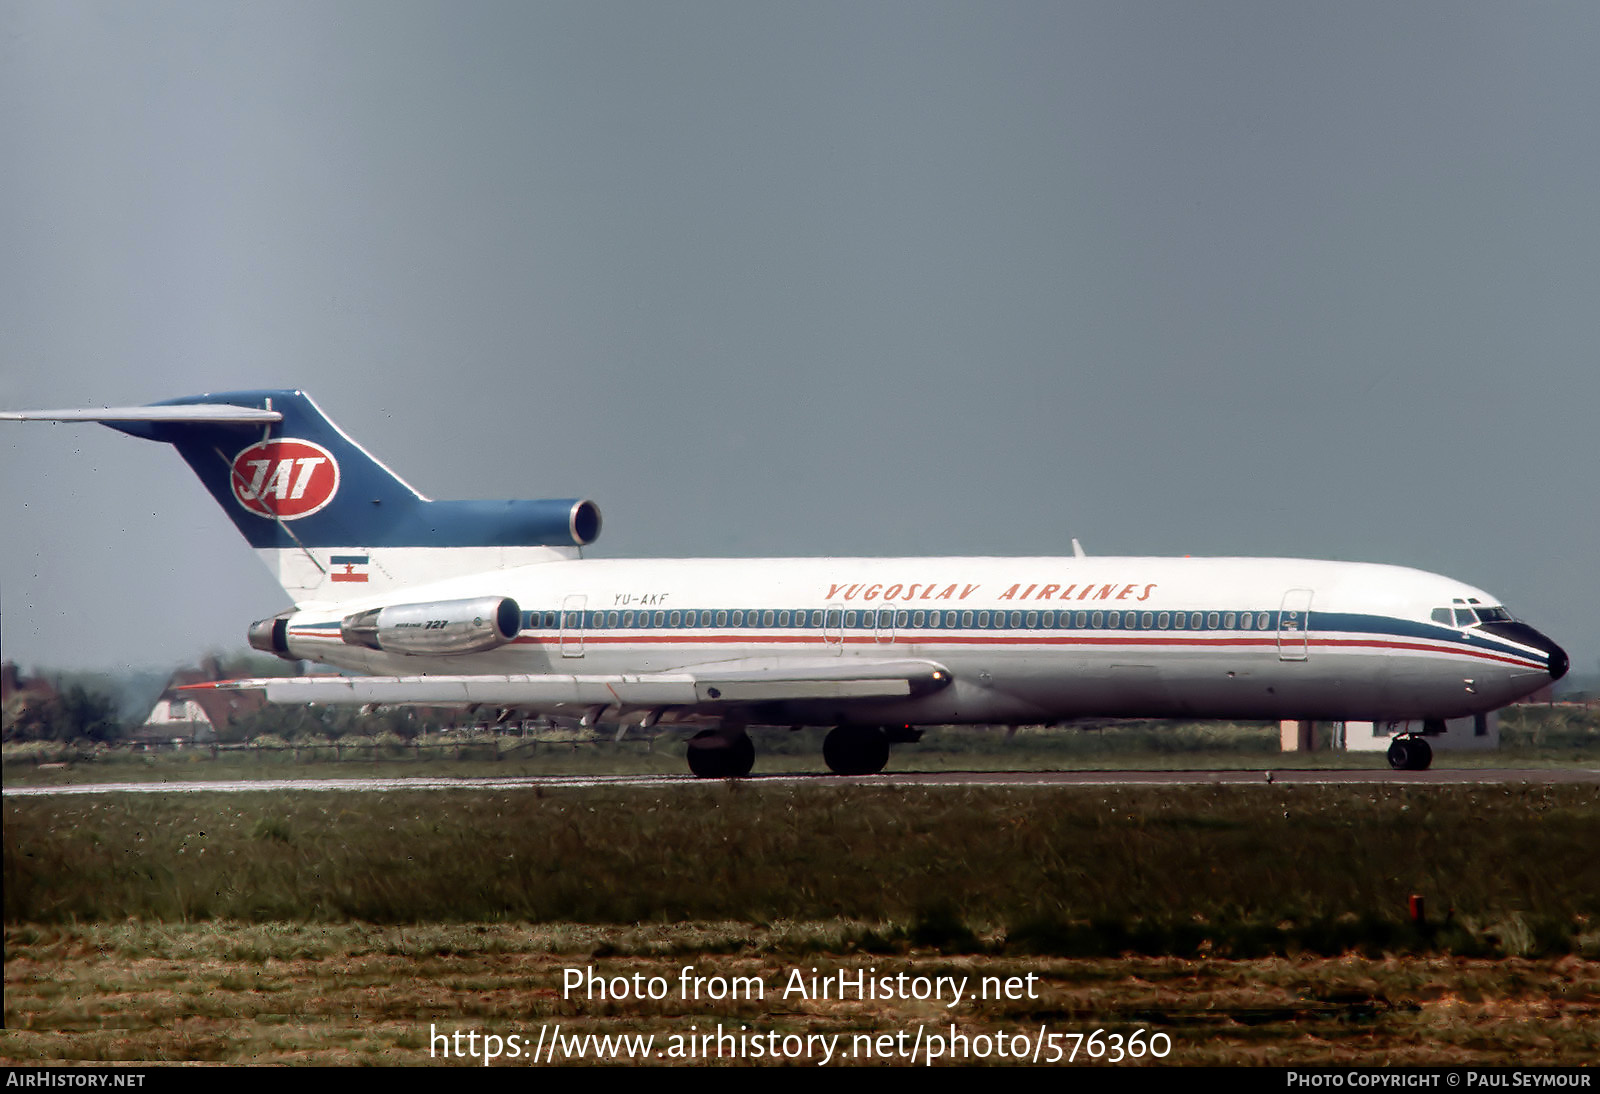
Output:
x=856 y=750
x=1410 y=754
x=715 y=756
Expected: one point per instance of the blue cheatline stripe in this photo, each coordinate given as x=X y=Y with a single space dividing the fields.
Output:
x=1324 y=628
x=1327 y=628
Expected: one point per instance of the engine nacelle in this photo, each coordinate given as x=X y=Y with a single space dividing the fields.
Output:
x=440 y=627
x=272 y=636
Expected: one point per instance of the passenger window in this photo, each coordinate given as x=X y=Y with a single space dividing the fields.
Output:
x=783 y=619
x=966 y=619
x=1113 y=620
x=1094 y=620
x=1211 y=621
x=1033 y=619
x=674 y=619
x=1162 y=620
x=611 y=619
x=917 y=618
x=768 y=617
x=1144 y=620
x=722 y=619
x=1227 y=621
x=1264 y=621
x=902 y=618
x=661 y=619
x=1180 y=621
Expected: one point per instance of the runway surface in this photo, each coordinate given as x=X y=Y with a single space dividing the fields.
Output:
x=1482 y=776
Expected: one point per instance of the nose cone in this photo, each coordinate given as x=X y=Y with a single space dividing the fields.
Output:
x=1558 y=659
x=1555 y=657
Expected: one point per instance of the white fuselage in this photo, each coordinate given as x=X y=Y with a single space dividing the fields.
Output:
x=1024 y=640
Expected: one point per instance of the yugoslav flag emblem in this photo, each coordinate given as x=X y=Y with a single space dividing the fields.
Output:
x=287 y=479
x=348 y=567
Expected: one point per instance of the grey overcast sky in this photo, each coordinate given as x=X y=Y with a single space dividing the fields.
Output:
x=1311 y=279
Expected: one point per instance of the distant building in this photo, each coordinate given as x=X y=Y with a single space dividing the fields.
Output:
x=1480 y=731
x=13 y=685
x=175 y=719
x=196 y=716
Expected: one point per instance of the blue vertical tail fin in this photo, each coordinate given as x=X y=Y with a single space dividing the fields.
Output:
x=330 y=519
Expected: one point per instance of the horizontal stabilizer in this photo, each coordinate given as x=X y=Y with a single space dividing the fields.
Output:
x=204 y=414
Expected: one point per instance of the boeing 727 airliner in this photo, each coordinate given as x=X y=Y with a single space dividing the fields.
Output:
x=490 y=603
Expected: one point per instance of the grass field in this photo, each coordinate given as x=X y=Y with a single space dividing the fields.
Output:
x=1248 y=869
x=1263 y=924
x=240 y=993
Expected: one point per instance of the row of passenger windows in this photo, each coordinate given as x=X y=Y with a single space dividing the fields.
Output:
x=883 y=619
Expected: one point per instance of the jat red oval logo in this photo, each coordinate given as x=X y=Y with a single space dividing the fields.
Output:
x=287 y=479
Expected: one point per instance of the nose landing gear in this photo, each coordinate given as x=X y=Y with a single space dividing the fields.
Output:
x=1410 y=752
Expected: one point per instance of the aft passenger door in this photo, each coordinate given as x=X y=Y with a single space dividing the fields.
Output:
x=572 y=608
x=1294 y=625
x=833 y=628
x=883 y=626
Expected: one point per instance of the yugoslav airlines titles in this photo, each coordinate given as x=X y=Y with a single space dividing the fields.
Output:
x=1017 y=591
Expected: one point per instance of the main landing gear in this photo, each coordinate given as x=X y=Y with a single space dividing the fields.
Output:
x=849 y=750
x=714 y=754
x=1410 y=752
x=856 y=750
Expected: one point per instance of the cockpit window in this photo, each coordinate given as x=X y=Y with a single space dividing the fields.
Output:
x=1463 y=616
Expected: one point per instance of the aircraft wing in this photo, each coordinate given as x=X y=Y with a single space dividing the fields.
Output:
x=732 y=683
